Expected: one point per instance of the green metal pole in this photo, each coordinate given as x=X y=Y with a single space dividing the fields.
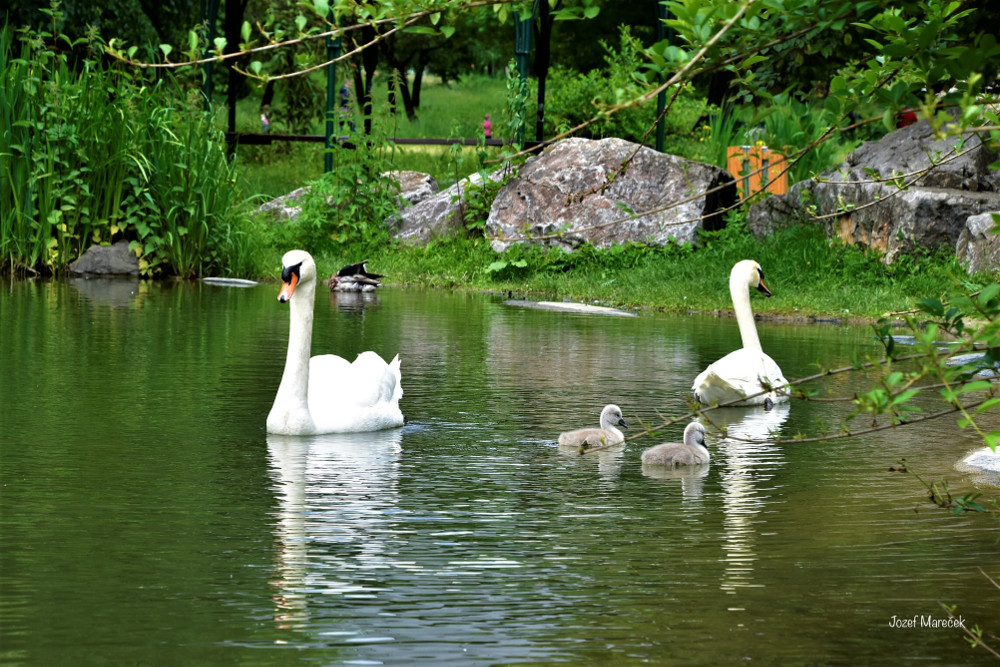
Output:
x=522 y=49
x=333 y=48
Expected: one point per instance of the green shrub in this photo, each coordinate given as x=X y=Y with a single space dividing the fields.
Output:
x=572 y=98
x=100 y=154
x=347 y=207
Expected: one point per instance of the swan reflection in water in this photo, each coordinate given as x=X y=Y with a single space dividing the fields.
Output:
x=691 y=478
x=608 y=458
x=746 y=469
x=334 y=493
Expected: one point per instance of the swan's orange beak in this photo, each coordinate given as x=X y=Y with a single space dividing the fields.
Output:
x=288 y=287
x=762 y=288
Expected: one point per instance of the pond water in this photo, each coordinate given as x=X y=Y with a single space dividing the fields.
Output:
x=147 y=518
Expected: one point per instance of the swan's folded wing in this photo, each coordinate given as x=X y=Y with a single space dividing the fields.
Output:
x=366 y=382
x=737 y=375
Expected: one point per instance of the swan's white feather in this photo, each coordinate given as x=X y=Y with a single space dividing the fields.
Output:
x=739 y=374
x=746 y=371
x=334 y=396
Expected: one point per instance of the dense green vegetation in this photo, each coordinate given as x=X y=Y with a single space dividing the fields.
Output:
x=95 y=155
x=810 y=275
x=162 y=182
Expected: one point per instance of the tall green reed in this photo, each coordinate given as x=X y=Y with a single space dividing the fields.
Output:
x=96 y=154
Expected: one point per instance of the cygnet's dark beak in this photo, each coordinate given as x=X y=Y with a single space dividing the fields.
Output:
x=621 y=422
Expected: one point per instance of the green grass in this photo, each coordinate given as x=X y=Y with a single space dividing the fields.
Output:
x=809 y=275
x=453 y=111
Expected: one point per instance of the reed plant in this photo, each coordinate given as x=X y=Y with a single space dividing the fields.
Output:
x=96 y=154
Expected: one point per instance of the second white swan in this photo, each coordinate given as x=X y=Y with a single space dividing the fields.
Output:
x=327 y=394
x=747 y=371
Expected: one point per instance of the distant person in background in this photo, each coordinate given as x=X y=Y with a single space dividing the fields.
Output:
x=488 y=127
x=345 y=105
x=265 y=124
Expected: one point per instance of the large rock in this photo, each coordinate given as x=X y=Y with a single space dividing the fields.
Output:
x=942 y=188
x=439 y=215
x=414 y=187
x=978 y=247
x=286 y=207
x=113 y=260
x=577 y=192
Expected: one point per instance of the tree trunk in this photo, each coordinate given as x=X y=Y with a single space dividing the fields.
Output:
x=543 y=58
x=268 y=96
x=418 y=77
x=369 y=60
x=404 y=91
x=235 y=82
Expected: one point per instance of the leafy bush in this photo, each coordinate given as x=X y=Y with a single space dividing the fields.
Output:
x=347 y=206
x=97 y=155
x=573 y=98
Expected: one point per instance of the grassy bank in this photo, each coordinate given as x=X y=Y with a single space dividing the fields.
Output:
x=809 y=275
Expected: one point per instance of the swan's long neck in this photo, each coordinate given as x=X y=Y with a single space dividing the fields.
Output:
x=293 y=392
x=740 y=293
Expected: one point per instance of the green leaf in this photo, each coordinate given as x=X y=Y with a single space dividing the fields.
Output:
x=905 y=396
x=255 y=66
x=220 y=44
x=245 y=31
x=979 y=385
x=992 y=440
x=932 y=306
x=988 y=404
x=591 y=12
x=988 y=294
x=322 y=7
x=499 y=265
x=166 y=48
x=447 y=31
x=420 y=30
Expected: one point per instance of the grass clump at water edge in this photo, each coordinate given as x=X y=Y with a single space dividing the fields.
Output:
x=809 y=274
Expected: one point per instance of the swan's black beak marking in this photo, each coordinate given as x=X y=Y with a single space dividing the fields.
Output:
x=289 y=279
x=761 y=287
x=621 y=422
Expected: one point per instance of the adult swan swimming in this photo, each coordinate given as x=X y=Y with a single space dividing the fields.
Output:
x=747 y=371
x=326 y=394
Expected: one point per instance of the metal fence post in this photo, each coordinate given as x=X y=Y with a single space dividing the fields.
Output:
x=522 y=48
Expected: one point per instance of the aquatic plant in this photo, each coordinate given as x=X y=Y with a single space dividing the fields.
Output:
x=100 y=154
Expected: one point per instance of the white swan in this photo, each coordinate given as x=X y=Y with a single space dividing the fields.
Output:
x=691 y=452
x=743 y=372
x=607 y=434
x=326 y=394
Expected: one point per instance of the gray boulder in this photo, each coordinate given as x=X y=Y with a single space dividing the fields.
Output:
x=414 y=187
x=944 y=183
x=978 y=248
x=111 y=260
x=439 y=215
x=286 y=207
x=577 y=192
